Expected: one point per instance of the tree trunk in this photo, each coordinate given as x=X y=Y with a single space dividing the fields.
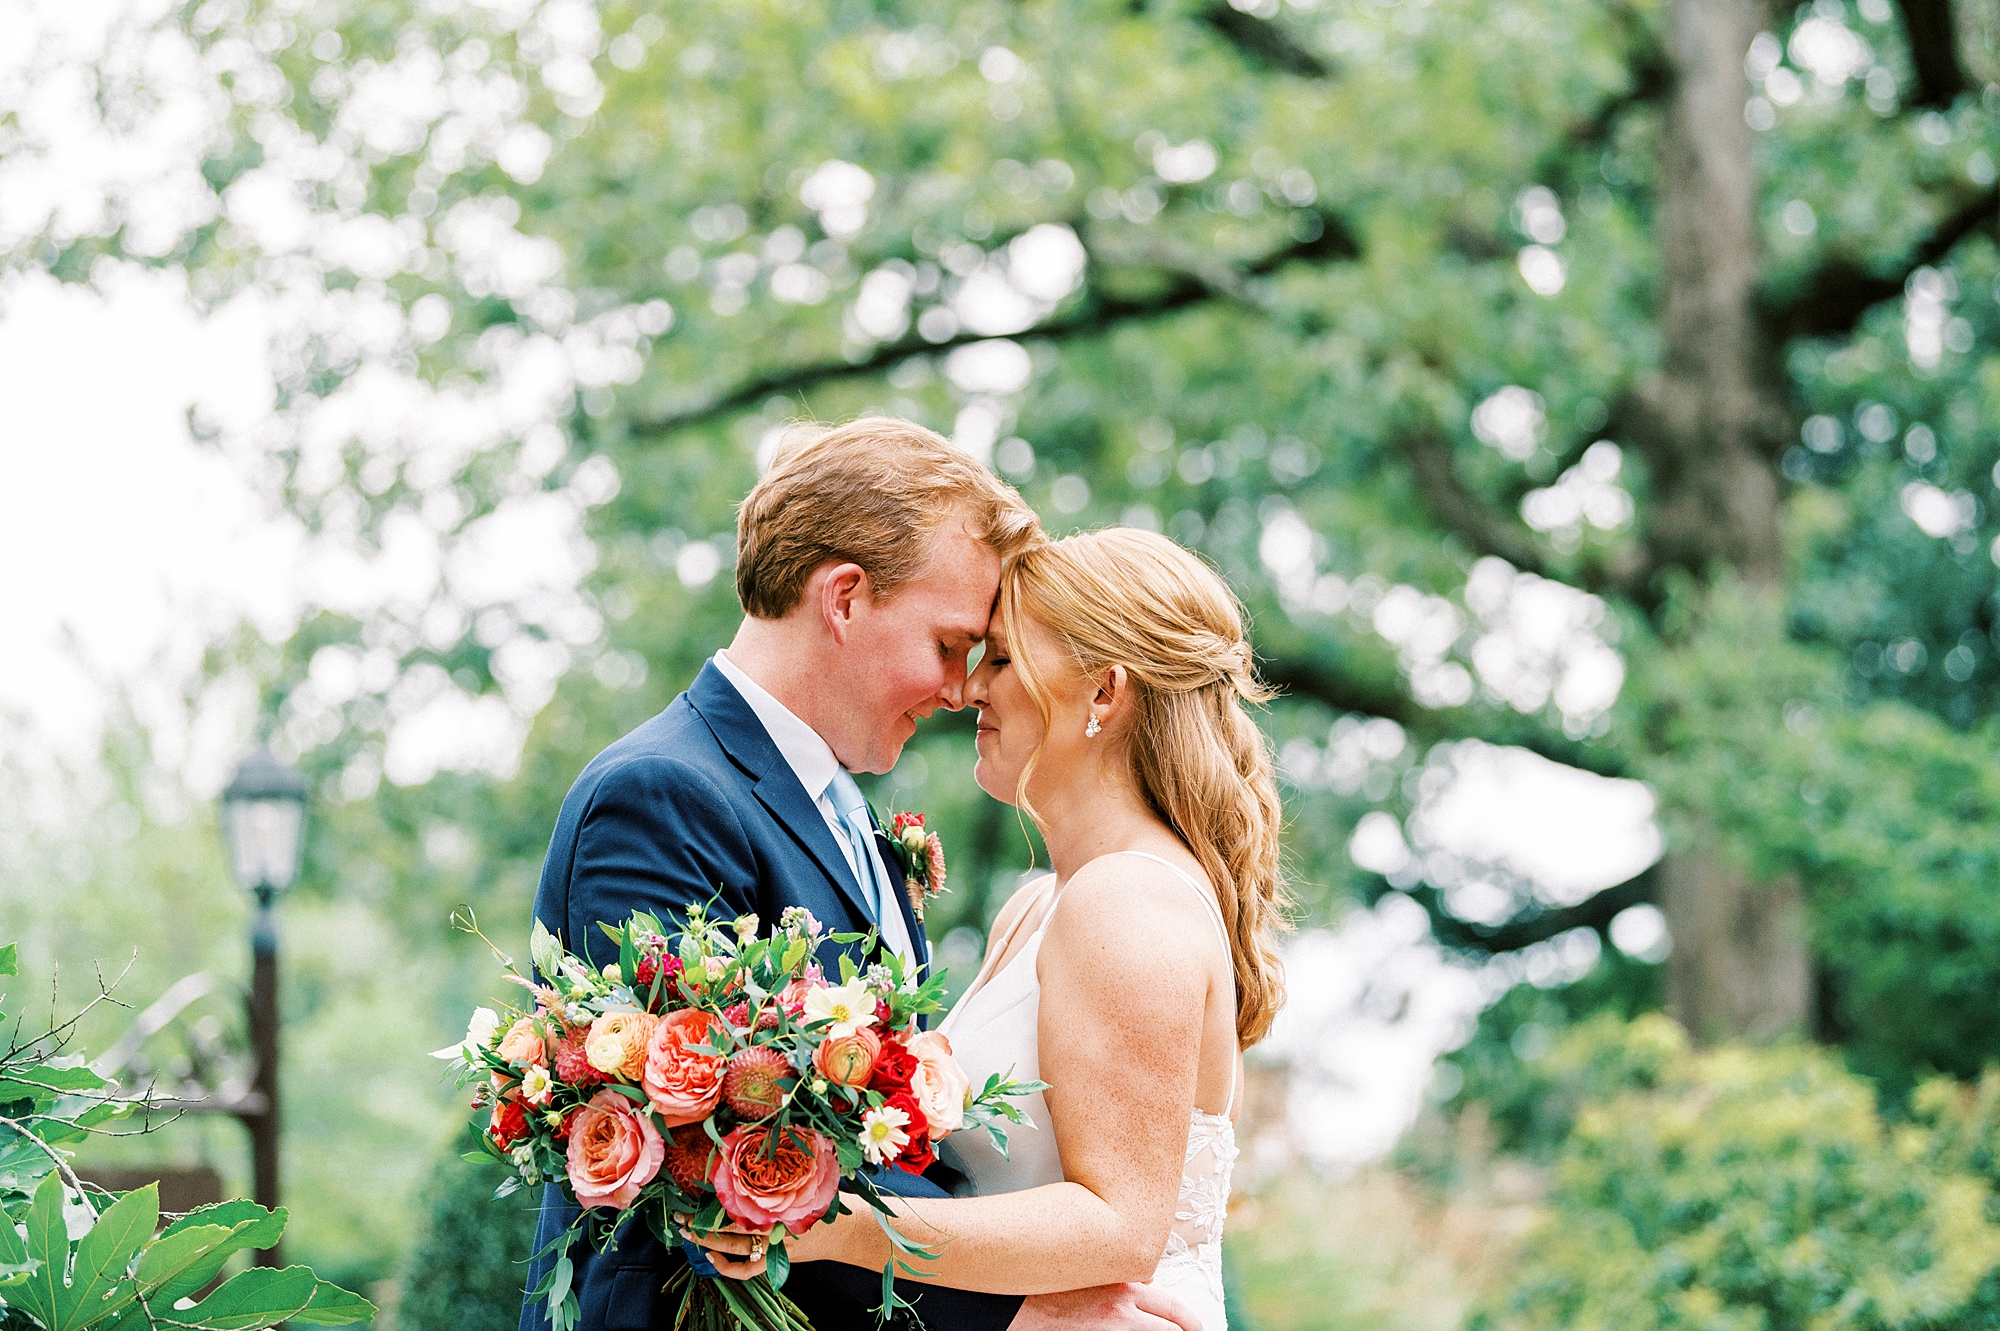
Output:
x=1739 y=968
x=1715 y=419
x=1711 y=427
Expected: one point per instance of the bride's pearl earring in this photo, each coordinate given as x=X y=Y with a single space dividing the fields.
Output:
x=1090 y=728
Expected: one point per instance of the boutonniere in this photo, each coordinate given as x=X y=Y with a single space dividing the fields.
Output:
x=922 y=856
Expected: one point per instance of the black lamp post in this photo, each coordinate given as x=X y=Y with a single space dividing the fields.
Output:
x=263 y=817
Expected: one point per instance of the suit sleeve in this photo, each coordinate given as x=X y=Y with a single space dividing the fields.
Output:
x=657 y=835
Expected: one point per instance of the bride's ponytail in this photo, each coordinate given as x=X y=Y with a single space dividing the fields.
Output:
x=1136 y=599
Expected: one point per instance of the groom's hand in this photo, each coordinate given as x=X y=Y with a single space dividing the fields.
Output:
x=1106 y=1307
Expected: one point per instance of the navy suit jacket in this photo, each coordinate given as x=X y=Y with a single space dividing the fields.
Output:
x=698 y=805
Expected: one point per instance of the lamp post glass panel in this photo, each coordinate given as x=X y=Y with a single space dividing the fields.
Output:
x=263 y=817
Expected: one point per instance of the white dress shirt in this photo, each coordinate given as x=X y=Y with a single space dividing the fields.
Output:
x=812 y=760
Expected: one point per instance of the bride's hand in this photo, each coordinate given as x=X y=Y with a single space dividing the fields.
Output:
x=734 y=1251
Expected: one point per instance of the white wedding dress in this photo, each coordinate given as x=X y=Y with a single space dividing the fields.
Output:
x=994 y=1028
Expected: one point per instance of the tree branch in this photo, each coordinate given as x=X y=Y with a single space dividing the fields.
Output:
x=1834 y=299
x=1318 y=681
x=1460 y=510
x=1933 y=42
x=1263 y=43
x=1097 y=313
x=1540 y=926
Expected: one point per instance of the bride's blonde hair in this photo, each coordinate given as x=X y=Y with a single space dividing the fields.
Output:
x=1133 y=598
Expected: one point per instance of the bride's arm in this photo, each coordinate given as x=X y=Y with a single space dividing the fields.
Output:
x=1126 y=969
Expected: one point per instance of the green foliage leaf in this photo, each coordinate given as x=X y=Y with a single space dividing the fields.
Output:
x=9 y=960
x=173 y=1254
x=47 y=1077
x=99 y=1283
x=246 y=1226
x=544 y=950
x=260 y=1297
x=333 y=1306
x=48 y=1244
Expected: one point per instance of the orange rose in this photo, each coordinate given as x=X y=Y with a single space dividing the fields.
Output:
x=939 y=1084
x=682 y=1083
x=613 y=1152
x=524 y=1044
x=790 y=1182
x=848 y=1060
x=616 y=1045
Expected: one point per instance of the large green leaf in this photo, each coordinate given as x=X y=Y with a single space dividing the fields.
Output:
x=12 y=1250
x=99 y=1283
x=249 y=1226
x=45 y=1077
x=172 y=1257
x=9 y=960
x=48 y=1243
x=333 y=1306
x=262 y=1296
x=270 y=1224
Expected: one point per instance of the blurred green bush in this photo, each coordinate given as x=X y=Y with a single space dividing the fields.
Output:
x=468 y=1270
x=1739 y=1189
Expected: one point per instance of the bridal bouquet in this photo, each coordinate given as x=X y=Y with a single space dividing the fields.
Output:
x=714 y=1074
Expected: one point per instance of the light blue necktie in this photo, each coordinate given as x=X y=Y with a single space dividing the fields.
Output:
x=852 y=809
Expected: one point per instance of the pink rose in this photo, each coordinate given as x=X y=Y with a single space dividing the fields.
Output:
x=524 y=1044
x=613 y=1152
x=939 y=1084
x=791 y=1186
x=793 y=996
x=683 y=1084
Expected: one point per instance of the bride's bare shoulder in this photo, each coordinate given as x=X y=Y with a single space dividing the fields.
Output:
x=1011 y=910
x=1119 y=891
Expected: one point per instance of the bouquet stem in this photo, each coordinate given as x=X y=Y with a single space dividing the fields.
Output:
x=722 y=1304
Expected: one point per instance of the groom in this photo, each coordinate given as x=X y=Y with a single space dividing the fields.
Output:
x=868 y=559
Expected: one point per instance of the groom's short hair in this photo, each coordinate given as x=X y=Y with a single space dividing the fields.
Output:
x=873 y=492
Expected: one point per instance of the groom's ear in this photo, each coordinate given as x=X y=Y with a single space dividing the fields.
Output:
x=842 y=591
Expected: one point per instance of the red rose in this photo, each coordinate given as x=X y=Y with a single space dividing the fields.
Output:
x=916 y=1155
x=510 y=1123
x=903 y=820
x=894 y=1067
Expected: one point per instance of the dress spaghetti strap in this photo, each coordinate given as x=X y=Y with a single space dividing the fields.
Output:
x=1207 y=896
x=993 y=954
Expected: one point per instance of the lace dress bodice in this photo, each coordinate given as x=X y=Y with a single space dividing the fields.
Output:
x=995 y=1028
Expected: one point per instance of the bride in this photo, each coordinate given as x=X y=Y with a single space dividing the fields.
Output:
x=1111 y=711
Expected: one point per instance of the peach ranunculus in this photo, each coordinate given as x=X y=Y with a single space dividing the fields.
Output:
x=616 y=1045
x=848 y=1060
x=524 y=1044
x=682 y=1083
x=613 y=1151
x=939 y=1084
x=791 y=1186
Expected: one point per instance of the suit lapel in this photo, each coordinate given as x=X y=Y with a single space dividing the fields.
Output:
x=743 y=737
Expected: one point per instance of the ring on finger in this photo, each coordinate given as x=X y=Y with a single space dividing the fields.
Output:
x=756 y=1250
